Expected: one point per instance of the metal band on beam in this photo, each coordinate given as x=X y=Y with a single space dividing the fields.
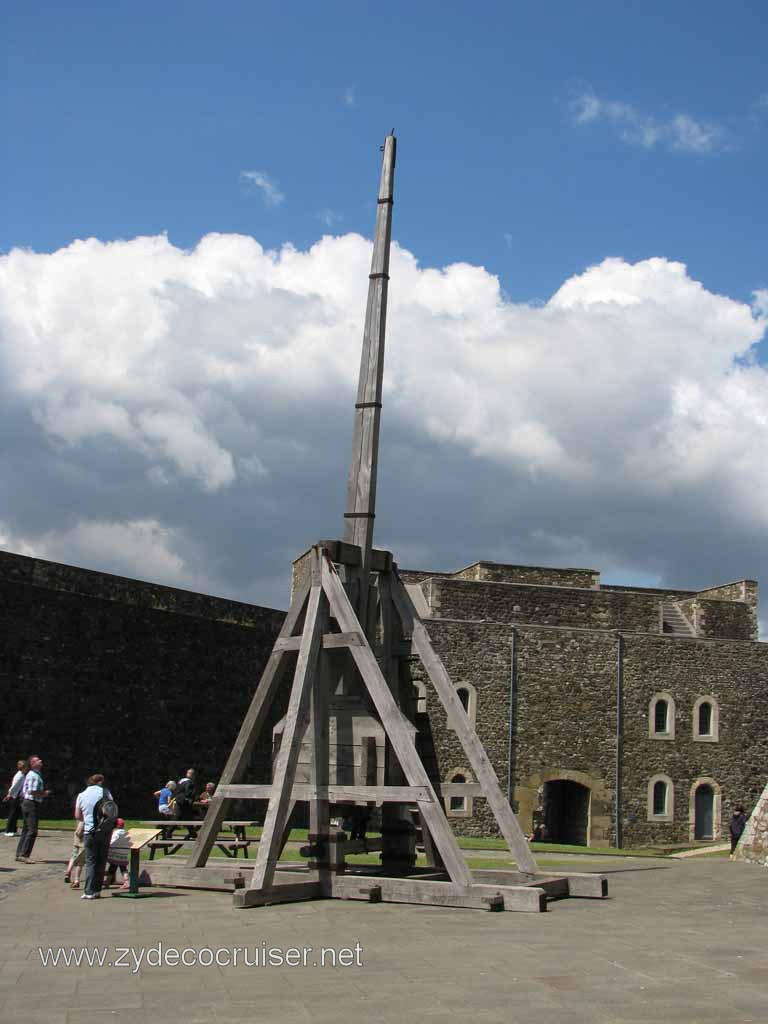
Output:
x=359 y=515
x=367 y=405
x=375 y=277
x=388 y=200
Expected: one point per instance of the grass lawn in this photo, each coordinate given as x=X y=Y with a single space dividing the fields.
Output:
x=541 y=850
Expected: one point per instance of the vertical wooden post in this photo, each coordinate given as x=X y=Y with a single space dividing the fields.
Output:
x=361 y=490
x=319 y=808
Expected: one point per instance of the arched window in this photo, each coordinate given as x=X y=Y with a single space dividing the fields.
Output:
x=456 y=804
x=661 y=717
x=706 y=720
x=661 y=799
x=467 y=694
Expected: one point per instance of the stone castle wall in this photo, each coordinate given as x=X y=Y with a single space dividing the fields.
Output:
x=544 y=605
x=560 y=698
x=735 y=674
x=722 y=618
x=129 y=678
x=496 y=572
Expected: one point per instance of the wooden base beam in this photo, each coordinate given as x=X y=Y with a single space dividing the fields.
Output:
x=288 y=892
x=525 y=899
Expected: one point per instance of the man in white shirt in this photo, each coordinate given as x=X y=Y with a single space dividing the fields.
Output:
x=13 y=796
x=95 y=841
x=32 y=795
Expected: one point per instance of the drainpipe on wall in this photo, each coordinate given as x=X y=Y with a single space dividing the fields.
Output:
x=510 y=735
x=619 y=715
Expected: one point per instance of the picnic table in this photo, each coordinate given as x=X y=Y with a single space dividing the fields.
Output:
x=169 y=843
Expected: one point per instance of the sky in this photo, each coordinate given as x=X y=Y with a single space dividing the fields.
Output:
x=576 y=358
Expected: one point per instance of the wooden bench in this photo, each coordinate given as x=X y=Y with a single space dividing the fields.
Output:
x=229 y=847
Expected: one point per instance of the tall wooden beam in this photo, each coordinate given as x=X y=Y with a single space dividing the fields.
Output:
x=361 y=490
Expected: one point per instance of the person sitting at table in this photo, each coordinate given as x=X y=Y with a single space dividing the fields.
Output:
x=206 y=796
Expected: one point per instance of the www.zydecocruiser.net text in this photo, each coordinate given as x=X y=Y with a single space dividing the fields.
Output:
x=136 y=958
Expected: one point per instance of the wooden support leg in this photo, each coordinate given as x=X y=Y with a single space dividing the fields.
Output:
x=295 y=723
x=319 y=807
x=249 y=733
x=396 y=726
x=457 y=719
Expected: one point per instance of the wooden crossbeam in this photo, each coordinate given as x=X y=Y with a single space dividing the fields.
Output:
x=337 y=793
x=330 y=641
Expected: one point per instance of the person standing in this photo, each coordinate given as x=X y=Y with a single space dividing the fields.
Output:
x=95 y=839
x=736 y=826
x=186 y=792
x=33 y=792
x=13 y=796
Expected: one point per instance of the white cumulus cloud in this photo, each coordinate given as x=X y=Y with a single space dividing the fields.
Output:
x=191 y=411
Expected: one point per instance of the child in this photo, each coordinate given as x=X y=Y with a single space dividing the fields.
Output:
x=119 y=853
x=165 y=799
x=77 y=857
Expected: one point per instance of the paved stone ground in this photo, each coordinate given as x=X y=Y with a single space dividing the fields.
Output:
x=678 y=941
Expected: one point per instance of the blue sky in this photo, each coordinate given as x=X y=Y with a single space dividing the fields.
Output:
x=132 y=118
x=178 y=405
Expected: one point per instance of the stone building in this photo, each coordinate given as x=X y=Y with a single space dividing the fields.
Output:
x=136 y=680
x=615 y=715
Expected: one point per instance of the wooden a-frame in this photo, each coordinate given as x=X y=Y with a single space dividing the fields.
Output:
x=350 y=638
x=322 y=620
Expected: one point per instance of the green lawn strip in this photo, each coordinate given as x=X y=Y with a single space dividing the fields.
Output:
x=464 y=842
x=68 y=824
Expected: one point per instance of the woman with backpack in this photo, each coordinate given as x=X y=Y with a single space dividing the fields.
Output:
x=98 y=813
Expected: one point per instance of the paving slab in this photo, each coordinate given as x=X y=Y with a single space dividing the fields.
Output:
x=678 y=940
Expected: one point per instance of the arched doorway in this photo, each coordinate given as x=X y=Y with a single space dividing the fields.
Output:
x=566 y=812
x=704 y=812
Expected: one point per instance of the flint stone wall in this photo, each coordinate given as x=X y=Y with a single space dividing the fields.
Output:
x=133 y=679
x=542 y=605
x=735 y=674
x=496 y=572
